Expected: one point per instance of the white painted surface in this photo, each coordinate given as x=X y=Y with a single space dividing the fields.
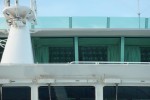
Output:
x=85 y=32
x=90 y=32
x=77 y=73
x=18 y=48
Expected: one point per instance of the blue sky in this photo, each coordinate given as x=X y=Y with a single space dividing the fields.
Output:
x=115 y=8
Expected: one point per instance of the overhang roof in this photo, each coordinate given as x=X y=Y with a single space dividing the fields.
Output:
x=85 y=32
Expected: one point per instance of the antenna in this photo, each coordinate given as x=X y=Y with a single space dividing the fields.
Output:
x=34 y=9
x=6 y=3
x=33 y=6
x=139 y=14
x=16 y=2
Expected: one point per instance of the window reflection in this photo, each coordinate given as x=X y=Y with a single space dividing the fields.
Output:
x=127 y=93
x=67 y=93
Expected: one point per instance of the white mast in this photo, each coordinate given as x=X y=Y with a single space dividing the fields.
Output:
x=139 y=13
x=6 y=3
x=18 y=48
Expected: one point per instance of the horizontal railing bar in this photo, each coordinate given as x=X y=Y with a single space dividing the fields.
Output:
x=105 y=62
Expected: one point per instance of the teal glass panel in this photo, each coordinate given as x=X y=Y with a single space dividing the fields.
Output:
x=3 y=24
x=89 y=22
x=148 y=22
x=126 y=22
x=86 y=22
x=137 y=41
x=52 y=22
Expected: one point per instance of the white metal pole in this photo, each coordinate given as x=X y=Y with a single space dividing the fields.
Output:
x=139 y=13
x=34 y=92
x=16 y=2
x=6 y=3
x=98 y=92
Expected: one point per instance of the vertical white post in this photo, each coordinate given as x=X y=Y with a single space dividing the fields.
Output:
x=31 y=4
x=34 y=92
x=98 y=92
x=139 y=13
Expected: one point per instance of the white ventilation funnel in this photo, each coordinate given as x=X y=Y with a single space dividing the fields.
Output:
x=18 y=48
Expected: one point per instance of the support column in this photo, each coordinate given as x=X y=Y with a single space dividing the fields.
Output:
x=122 y=48
x=98 y=92
x=34 y=92
x=76 y=48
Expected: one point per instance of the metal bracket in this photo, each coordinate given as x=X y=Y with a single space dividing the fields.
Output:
x=3 y=42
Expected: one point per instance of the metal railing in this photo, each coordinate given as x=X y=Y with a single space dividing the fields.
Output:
x=105 y=62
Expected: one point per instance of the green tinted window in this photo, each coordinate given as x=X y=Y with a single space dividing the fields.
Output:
x=61 y=54
x=92 y=53
x=145 y=54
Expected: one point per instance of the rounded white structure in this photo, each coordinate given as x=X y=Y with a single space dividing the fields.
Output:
x=18 y=48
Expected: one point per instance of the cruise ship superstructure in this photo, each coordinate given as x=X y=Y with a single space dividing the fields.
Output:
x=73 y=58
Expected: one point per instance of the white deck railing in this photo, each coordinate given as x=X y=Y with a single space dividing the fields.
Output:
x=105 y=62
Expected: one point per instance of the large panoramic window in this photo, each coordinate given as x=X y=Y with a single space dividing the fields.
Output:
x=126 y=93
x=92 y=53
x=137 y=49
x=99 y=49
x=67 y=93
x=16 y=93
x=61 y=54
x=53 y=50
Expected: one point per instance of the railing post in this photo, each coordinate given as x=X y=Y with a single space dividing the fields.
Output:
x=108 y=22
x=146 y=23
x=70 y=22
